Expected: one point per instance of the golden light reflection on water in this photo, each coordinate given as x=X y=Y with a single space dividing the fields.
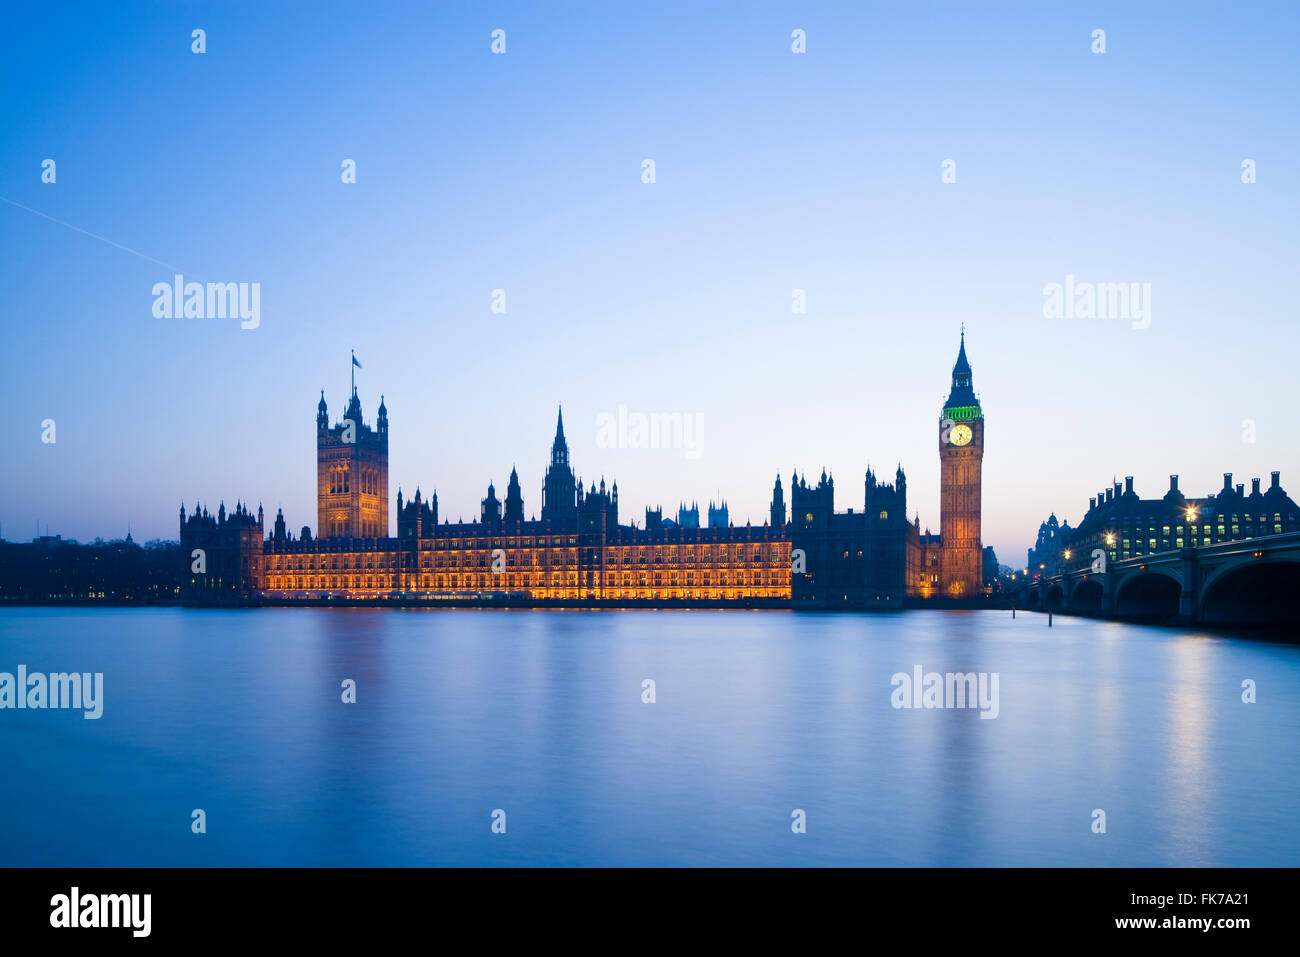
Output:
x=1187 y=795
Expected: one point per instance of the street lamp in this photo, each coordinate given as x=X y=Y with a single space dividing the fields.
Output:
x=1191 y=517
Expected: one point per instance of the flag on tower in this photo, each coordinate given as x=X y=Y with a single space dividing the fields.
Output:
x=354 y=361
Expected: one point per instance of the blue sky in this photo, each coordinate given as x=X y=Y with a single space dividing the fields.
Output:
x=522 y=172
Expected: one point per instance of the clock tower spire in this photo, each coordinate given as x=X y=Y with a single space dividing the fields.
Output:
x=961 y=456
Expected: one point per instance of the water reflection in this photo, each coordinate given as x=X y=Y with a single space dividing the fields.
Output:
x=541 y=714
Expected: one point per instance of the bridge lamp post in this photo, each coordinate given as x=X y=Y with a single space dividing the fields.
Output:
x=1188 y=599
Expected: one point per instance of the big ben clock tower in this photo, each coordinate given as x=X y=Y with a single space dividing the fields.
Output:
x=961 y=453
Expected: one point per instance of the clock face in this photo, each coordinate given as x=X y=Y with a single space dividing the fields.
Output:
x=960 y=435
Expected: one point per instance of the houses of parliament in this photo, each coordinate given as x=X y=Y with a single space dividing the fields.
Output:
x=576 y=550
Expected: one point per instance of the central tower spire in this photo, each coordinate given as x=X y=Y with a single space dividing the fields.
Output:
x=559 y=488
x=559 y=448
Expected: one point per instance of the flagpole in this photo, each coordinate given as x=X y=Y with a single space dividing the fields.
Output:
x=353 y=369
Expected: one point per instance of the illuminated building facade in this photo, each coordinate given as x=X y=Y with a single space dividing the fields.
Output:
x=1126 y=526
x=951 y=563
x=576 y=551
x=351 y=473
x=923 y=553
x=534 y=563
x=961 y=456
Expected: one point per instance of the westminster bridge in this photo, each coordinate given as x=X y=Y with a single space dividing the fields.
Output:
x=1252 y=581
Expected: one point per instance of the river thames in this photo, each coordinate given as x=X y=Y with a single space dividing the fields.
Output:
x=541 y=715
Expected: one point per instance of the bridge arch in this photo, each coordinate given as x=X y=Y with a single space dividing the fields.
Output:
x=1252 y=590
x=1148 y=593
x=1055 y=596
x=1086 y=596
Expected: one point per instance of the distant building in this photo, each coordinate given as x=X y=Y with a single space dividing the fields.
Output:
x=51 y=570
x=992 y=572
x=1047 y=557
